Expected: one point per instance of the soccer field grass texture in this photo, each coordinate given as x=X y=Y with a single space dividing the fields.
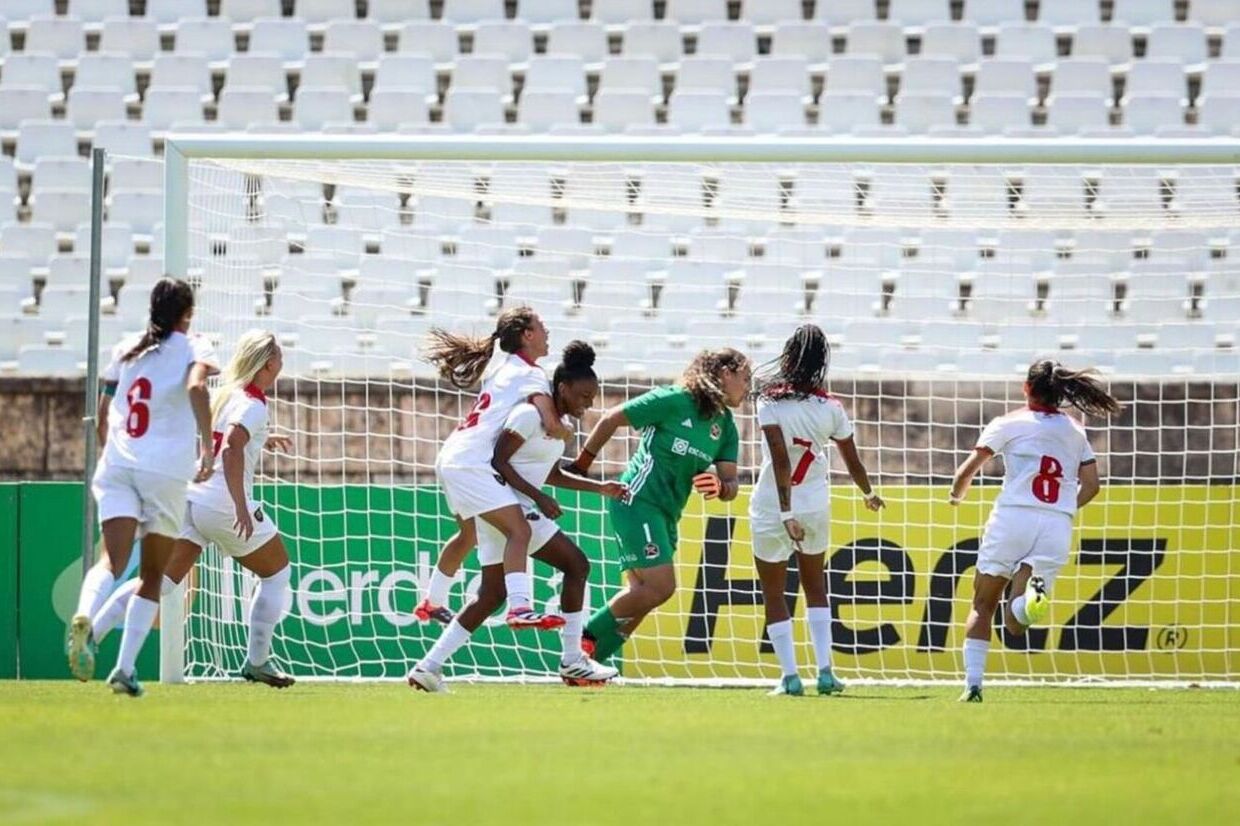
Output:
x=368 y=753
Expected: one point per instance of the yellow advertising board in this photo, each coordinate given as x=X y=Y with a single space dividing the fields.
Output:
x=1152 y=591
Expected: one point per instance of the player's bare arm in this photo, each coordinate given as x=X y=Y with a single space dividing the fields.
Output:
x=101 y=417
x=965 y=473
x=232 y=458
x=852 y=461
x=1089 y=484
x=200 y=403
x=560 y=479
x=508 y=444
x=551 y=421
x=782 y=467
x=603 y=430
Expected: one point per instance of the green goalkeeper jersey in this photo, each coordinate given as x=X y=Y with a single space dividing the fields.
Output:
x=676 y=445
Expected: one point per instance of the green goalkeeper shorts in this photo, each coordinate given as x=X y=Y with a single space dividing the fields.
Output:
x=647 y=538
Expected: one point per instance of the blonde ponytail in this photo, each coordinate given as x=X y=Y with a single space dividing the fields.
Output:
x=254 y=349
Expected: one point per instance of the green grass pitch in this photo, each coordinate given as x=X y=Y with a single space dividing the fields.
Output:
x=513 y=754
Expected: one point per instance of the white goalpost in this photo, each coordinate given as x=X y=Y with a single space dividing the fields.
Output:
x=939 y=268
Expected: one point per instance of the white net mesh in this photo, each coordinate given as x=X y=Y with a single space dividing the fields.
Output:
x=936 y=285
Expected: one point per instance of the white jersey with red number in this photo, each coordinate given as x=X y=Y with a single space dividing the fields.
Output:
x=1042 y=454
x=508 y=383
x=248 y=408
x=808 y=426
x=538 y=453
x=150 y=422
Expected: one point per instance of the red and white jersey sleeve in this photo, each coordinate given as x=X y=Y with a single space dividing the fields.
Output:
x=1042 y=455
x=538 y=452
x=511 y=383
x=808 y=426
x=246 y=408
x=150 y=421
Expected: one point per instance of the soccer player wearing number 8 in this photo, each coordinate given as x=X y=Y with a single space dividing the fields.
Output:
x=789 y=509
x=1049 y=473
x=685 y=429
x=149 y=454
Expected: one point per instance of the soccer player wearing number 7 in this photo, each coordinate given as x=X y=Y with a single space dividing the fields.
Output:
x=505 y=363
x=1049 y=473
x=685 y=428
x=149 y=454
x=789 y=509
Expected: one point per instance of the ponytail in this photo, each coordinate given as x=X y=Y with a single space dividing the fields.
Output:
x=171 y=299
x=1052 y=384
x=461 y=359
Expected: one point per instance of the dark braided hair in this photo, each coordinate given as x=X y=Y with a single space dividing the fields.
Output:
x=801 y=369
x=576 y=363
x=702 y=378
x=1052 y=384
x=462 y=359
x=171 y=299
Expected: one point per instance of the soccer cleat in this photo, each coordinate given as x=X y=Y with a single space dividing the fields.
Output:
x=267 y=674
x=122 y=683
x=789 y=685
x=586 y=672
x=425 y=612
x=81 y=648
x=972 y=694
x=423 y=679
x=529 y=618
x=1037 y=603
x=827 y=684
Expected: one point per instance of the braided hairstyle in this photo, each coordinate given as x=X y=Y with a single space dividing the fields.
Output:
x=462 y=359
x=1052 y=384
x=702 y=378
x=171 y=299
x=801 y=369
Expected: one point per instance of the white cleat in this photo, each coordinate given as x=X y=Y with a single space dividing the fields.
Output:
x=586 y=672
x=423 y=679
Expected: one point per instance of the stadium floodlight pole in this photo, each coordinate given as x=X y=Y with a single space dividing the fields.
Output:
x=90 y=420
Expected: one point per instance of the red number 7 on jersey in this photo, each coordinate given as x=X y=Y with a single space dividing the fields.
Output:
x=807 y=459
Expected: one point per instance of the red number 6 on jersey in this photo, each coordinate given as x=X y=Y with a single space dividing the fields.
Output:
x=1046 y=483
x=139 y=418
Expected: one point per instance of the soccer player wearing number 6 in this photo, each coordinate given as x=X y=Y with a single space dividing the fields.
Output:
x=149 y=453
x=1049 y=473
x=789 y=509
x=505 y=363
x=222 y=509
x=526 y=457
x=686 y=428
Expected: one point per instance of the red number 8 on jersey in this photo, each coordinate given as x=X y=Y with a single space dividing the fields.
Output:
x=1046 y=483
x=139 y=418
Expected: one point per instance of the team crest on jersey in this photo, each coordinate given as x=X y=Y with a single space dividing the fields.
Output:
x=652 y=551
x=716 y=431
x=500 y=479
x=532 y=516
x=258 y=514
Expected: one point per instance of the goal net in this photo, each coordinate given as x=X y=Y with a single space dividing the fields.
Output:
x=937 y=285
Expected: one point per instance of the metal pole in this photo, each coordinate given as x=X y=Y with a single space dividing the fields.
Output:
x=91 y=419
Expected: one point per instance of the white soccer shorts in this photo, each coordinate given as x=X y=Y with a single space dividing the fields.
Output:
x=155 y=500
x=771 y=542
x=1015 y=535
x=204 y=526
x=474 y=490
x=491 y=542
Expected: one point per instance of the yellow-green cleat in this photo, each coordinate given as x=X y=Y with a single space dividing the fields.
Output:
x=81 y=648
x=789 y=685
x=972 y=694
x=827 y=684
x=1037 y=603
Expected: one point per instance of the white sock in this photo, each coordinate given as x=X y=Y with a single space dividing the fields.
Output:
x=454 y=636
x=781 y=637
x=166 y=586
x=570 y=636
x=820 y=634
x=96 y=586
x=975 y=661
x=437 y=593
x=520 y=592
x=113 y=610
x=139 y=618
x=265 y=614
x=1018 y=610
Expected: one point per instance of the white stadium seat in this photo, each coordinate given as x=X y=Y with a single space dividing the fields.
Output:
x=694 y=111
x=467 y=108
x=430 y=37
x=561 y=73
x=19 y=103
x=578 y=39
x=489 y=72
x=621 y=12
x=1026 y=41
x=1147 y=114
x=325 y=70
x=543 y=12
x=960 y=41
x=108 y=69
x=774 y=111
x=64 y=37
x=315 y=107
x=168 y=12
x=1141 y=14
x=1065 y=15
x=243 y=106
x=781 y=74
x=255 y=70
x=88 y=105
x=509 y=38
x=1072 y=114
x=1006 y=77
x=321 y=11
x=39 y=70
x=166 y=106
x=286 y=37
x=856 y=75
x=882 y=40
x=212 y=37
x=802 y=39
x=1110 y=43
x=1179 y=41
x=992 y=13
x=917 y=13
x=932 y=76
x=617 y=109
x=36 y=240
x=117 y=243
x=361 y=38
x=132 y=36
x=920 y=113
x=247 y=11
x=994 y=114
x=406 y=72
x=1082 y=76
x=191 y=71
x=141 y=209
x=391 y=107
x=845 y=12
x=542 y=109
x=1160 y=77
x=51 y=172
x=736 y=41
x=847 y=111
x=123 y=137
x=36 y=138
x=662 y=41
